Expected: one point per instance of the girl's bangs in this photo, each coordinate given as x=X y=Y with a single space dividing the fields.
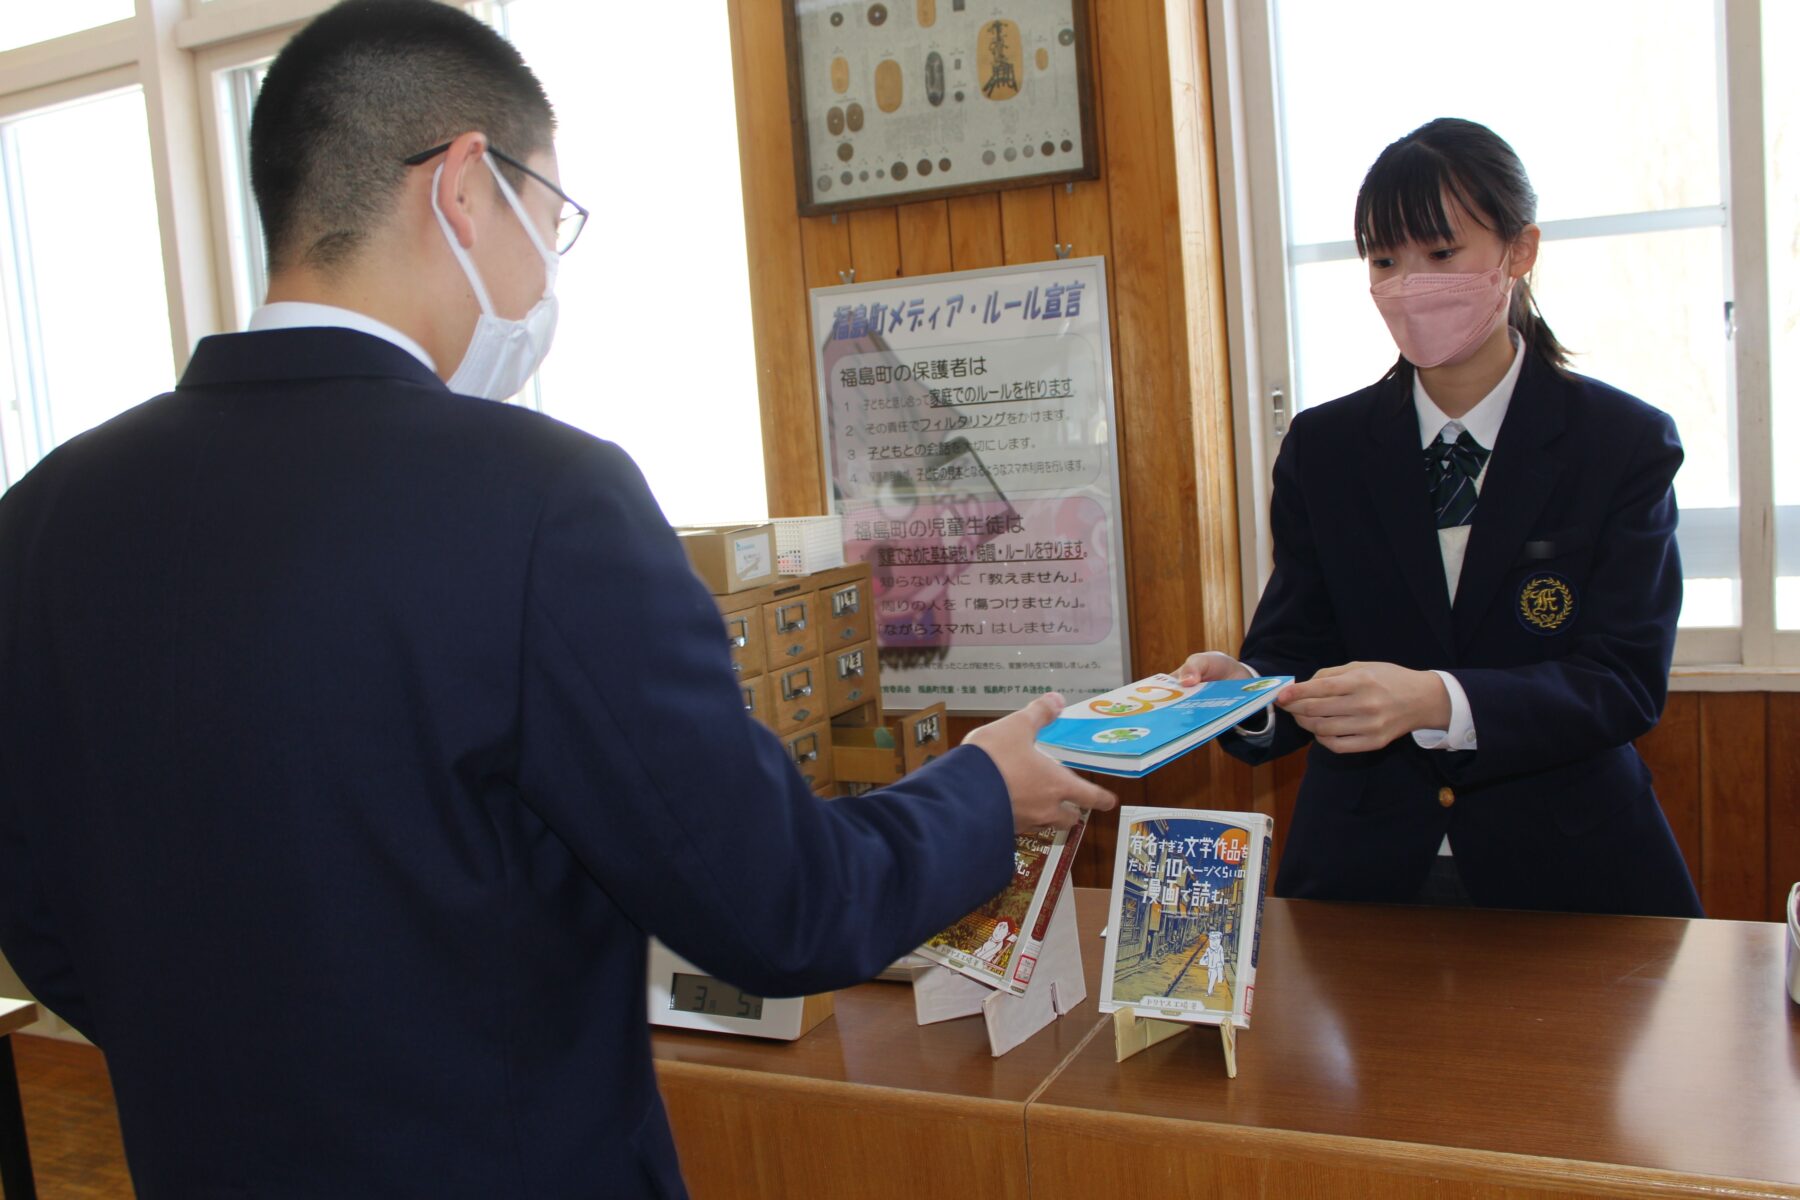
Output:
x=1402 y=200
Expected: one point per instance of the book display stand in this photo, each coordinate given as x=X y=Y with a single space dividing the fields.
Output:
x=1056 y=987
x=1133 y=1032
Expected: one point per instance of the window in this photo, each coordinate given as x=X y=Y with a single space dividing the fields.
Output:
x=80 y=271
x=1781 y=140
x=653 y=346
x=654 y=340
x=27 y=23
x=1635 y=156
x=234 y=97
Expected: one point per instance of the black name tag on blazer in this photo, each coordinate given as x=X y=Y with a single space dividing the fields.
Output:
x=1553 y=543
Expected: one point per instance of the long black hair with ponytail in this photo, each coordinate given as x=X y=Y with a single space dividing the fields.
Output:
x=1402 y=200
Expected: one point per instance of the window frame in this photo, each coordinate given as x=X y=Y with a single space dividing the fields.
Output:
x=1258 y=269
x=174 y=50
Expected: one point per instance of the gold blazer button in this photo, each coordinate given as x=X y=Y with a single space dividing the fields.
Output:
x=1446 y=797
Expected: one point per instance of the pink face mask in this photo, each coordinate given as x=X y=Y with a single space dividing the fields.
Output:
x=1442 y=317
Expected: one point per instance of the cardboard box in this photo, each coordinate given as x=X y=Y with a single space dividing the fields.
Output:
x=731 y=558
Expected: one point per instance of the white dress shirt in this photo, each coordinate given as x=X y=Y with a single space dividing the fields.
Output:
x=296 y=314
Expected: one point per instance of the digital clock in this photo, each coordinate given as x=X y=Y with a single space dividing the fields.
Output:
x=682 y=996
x=704 y=994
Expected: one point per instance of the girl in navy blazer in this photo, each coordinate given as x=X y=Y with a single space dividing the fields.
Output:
x=1476 y=581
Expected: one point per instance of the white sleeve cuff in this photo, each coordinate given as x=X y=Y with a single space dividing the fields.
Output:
x=1461 y=734
x=1260 y=729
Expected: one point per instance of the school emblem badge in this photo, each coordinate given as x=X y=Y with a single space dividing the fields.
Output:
x=1546 y=603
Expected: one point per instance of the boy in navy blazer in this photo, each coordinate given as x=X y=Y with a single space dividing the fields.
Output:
x=356 y=729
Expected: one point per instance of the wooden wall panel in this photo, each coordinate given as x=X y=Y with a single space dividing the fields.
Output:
x=975 y=232
x=1083 y=219
x=1672 y=752
x=1734 y=805
x=1084 y=209
x=1027 y=225
x=825 y=252
x=1150 y=357
x=793 y=467
x=878 y=1143
x=1197 y=240
x=1783 y=859
x=925 y=237
x=875 y=243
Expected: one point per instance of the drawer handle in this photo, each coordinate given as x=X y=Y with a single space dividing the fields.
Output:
x=926 y=731
x=808 y=755
x=749 y=700
x=739 y=630
x=850 y=666
x=789 y=691
x=846 y=600
x=785 y=624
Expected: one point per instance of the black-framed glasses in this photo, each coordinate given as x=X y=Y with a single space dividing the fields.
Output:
x=569 y=222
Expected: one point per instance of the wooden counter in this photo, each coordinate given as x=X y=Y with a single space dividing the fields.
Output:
x=1400 y=1052
x=1395 y=1052
x=870 y=1103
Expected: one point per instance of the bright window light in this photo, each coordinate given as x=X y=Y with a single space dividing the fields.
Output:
x=29 y=21
x=81 y=273
x=1641 y=307
x=654 y=347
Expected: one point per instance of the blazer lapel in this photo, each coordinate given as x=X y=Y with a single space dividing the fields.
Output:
x=1520 y=481
x=1395 y=473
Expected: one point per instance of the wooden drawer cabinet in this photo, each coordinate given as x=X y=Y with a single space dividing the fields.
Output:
x=850 y=677
x=811 y=671
x=791 y=627
x=756 y=697
x=844 y=612
x=797 y=693
x=923 y=736
x=810 y=748
x=744 y=634
x=884 y=752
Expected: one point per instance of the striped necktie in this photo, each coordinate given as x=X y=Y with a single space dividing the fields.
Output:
x=1451 y=469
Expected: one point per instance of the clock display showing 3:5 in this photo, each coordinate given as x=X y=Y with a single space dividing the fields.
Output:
x=704 y=994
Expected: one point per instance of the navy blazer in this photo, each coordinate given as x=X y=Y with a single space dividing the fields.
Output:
x=353 y=736
x=1561 y=635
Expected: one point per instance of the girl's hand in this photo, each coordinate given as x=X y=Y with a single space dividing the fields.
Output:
x=1209 y=665
x=1364 y=706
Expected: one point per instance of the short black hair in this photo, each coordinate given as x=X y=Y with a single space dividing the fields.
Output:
x=366 y=84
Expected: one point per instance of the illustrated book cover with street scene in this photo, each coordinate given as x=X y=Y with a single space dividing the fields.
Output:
x=1186 y=914
x=1133 y=730
x=998 y=942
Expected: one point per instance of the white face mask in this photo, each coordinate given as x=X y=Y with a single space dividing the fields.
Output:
x=502 y=354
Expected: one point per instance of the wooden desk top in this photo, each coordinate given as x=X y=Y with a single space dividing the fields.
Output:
x=1661 y=1044
x=874 y=1040
x=16 y=1015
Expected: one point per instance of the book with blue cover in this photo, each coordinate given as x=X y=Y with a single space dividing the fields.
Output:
x=1133 y=730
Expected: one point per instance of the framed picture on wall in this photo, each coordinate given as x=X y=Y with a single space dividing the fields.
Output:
x=897 y=100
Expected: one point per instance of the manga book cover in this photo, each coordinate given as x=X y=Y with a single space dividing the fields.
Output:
x=1187 y=896
x=998 y=943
